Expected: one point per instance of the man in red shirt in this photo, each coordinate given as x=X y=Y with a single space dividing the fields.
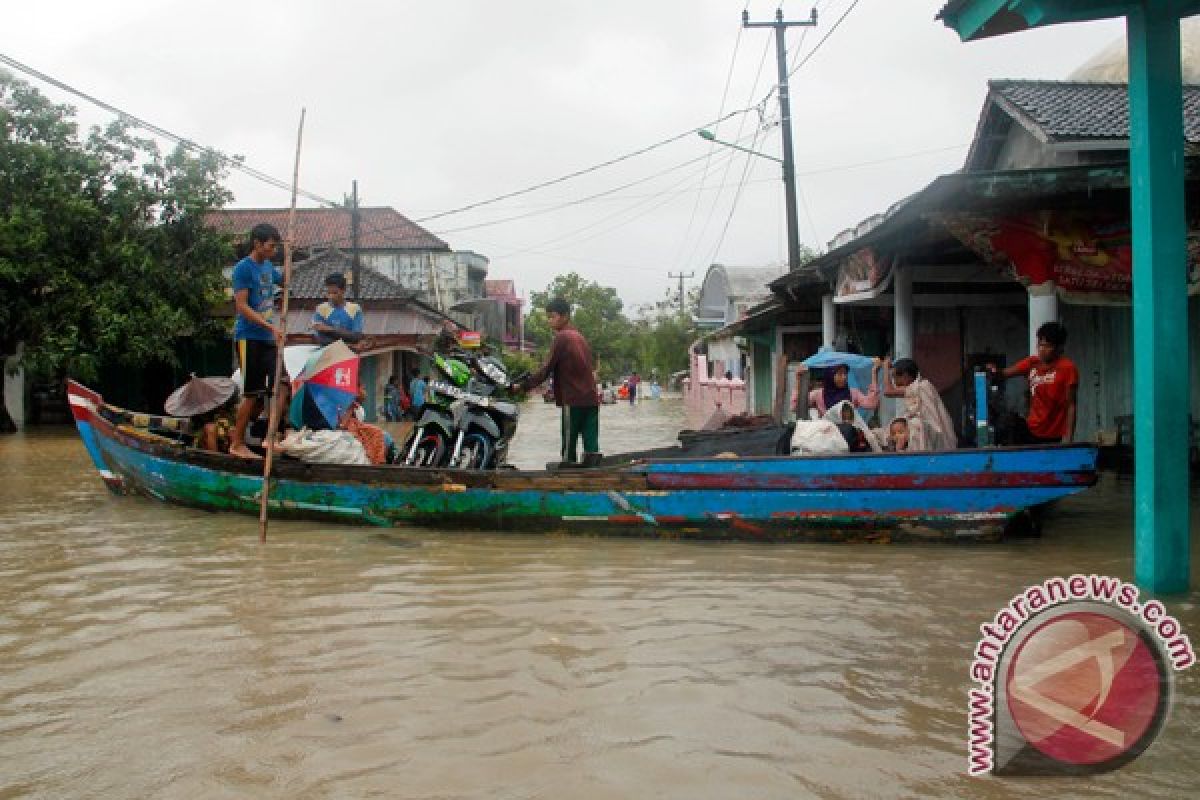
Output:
x=1053 y=384
x=571 y=365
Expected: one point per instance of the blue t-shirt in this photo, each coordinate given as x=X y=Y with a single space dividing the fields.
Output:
x=416 y=391
x=259 y=280
x=347 y=316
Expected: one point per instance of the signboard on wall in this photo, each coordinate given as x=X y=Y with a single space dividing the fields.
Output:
x=1087 y=257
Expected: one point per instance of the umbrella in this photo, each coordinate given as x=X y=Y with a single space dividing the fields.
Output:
x=325 y=388
x=199 y=396
x=295 y=356
x=859 y=367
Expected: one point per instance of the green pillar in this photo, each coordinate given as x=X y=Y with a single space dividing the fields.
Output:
x=1160 y=300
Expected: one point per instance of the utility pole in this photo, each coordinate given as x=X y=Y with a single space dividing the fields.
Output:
x=785 y=122
x=354 y=263
x=682 y=298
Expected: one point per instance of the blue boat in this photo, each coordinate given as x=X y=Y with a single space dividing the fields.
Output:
x=979 y=494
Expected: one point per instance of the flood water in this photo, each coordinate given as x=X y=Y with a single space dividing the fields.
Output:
x=149 y=651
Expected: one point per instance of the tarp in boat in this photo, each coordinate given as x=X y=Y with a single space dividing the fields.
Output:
x=859 y=366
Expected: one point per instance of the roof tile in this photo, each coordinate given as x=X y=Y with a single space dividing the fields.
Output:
x=1069 y=110
x=380 y=228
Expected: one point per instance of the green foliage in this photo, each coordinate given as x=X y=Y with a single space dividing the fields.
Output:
x=657 y=342
x=518 y=363
x=103 y=256
x=597 y=313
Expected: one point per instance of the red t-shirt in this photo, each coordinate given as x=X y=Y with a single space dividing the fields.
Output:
x=1049 y=393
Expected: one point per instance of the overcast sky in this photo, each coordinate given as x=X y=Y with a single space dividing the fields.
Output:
x=435 y=105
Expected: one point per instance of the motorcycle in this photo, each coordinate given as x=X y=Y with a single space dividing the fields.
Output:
x=463 y=424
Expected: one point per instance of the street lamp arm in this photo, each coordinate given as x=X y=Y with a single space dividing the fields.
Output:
x=710 y=136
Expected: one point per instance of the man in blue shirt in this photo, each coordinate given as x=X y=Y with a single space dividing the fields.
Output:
x=337 y=319
x=257 y=333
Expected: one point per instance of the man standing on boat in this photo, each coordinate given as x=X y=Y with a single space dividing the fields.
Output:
x=256 y=333
x=571 y=365
x=1053 y=386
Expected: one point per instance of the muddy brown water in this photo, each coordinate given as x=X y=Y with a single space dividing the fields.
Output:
x=150 y=651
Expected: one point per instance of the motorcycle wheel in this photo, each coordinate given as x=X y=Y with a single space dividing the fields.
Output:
x=476 y=451
x=431 y=449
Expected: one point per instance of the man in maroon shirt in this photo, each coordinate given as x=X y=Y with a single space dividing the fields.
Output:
x=571 y=365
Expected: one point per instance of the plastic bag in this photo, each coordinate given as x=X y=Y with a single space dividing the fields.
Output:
x=817 y=436
x=324 y=447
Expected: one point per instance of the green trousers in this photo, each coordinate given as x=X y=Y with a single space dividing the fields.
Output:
x=580 y=421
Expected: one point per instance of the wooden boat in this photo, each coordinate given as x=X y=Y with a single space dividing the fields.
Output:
x=962 y=494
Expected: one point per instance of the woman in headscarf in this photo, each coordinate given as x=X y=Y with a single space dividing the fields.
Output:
x=836 y=388
x=931 y=425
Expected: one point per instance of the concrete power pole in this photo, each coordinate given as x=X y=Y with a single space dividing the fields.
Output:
x=682 y=297
x=785 y=122
x=354 y=263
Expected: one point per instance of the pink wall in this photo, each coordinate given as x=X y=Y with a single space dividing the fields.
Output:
x=702 y=395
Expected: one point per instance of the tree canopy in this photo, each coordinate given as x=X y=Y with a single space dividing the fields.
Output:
x=103 y=256
x=657 y=341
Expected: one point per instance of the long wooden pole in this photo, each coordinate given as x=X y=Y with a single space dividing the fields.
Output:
x=273 y=415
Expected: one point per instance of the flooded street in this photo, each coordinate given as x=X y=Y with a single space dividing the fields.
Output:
x=150 y=651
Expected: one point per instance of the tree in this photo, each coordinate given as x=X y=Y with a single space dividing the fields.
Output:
x=597 y=313
x=104 y=259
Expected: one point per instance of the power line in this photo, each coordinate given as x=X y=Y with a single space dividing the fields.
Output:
x=578 y=201
x=720 y=110
x=824 y=38
x=585 y=171
x=227 y=161
x=725 y=174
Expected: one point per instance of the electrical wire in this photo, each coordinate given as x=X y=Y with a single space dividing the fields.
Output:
x=188 y=144
x=725 y=174
x=824 y=38
x=587 y=170
x=720 y=110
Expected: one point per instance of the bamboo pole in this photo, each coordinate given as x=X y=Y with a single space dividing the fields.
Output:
x=273 y=415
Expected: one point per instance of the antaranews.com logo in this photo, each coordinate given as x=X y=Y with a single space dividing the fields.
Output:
x=1073 y=677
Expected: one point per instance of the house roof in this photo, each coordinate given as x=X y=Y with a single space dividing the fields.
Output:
x=1063 y=112
x=985 y=191
x=1074 y=110
x=308 y=279
x=379 y=228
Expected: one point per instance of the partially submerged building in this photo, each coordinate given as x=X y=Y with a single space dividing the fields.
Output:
x=1036 y=227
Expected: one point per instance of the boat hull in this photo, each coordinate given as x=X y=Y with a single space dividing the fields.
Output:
x=960 y=495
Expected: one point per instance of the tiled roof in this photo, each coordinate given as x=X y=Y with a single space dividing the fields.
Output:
x=378 y=228
x=308 y=279
x=1068 y=111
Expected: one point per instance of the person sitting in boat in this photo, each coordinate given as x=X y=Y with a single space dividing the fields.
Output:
x=921 y=402
x=211 y=406
x=850 y=428
x=835 y=389
x=1053 y=385
x=216 y=431
x=897 y=436
x=337 y=318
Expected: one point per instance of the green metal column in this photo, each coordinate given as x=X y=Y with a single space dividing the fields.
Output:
x=1160 y=331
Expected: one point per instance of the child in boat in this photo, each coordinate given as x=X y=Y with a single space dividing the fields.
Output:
x=898 y=435
x=855 y=439
x=921 y=402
